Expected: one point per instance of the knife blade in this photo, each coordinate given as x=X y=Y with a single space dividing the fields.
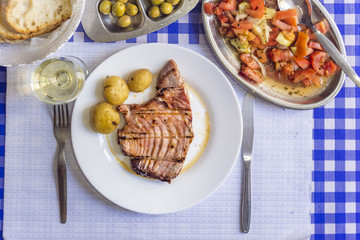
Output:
x=247 y=146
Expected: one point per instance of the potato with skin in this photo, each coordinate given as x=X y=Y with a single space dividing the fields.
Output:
x=104 y=118
x=116 y=91
x=140 y=80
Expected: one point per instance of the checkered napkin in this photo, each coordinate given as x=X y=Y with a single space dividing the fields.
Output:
x=281 y=176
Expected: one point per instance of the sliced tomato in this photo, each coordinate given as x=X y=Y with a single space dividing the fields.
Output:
x=209 y=8
x=317 y=80
x=258 y=12
x=238 y=32
x=230 y=33
x=254 y=3
x=301 y=44
x=293 y=21
x=217 y=11
x=281 y=15
x=222 y=18
x=286 y=54
x=309 y=51
x=330 y=68
x=275 y=55
x=307 y=82
x=323 y=26
x=296 y=66
x=261 y=55
x=253 y=75
x=284 y=26
x=243 y=24
x=304 y=74
x=256 y=43
x=302 y=62
x=315 y=45
x=249 y=61
x=228 y=5
x=288 y=69
x=317 y=60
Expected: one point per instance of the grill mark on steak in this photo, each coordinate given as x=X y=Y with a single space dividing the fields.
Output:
x=156 y=148
x=157 y=125
x=157 y=134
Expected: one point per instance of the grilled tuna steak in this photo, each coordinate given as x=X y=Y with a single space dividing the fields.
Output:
x=157 y=134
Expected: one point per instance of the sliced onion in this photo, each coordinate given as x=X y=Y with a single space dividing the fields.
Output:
x=255 y=21
x=263 y=71
x=282 y=47
x=240 y=16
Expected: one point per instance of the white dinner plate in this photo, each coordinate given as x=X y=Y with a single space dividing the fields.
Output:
x=97 y=153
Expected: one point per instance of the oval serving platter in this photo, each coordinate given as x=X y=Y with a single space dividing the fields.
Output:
x=101 y=28
x=270 y=90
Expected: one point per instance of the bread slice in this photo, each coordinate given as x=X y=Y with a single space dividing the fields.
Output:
x=5 y=33
x=32 y=16
x=9 y=36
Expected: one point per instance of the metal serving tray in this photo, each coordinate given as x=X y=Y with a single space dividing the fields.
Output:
x=103 y=28
x=281 y=97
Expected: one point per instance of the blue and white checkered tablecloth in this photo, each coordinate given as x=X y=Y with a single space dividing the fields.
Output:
x=336 y=133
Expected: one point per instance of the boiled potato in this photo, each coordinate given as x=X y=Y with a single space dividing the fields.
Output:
x=116 y=90
x=140 y=80
x=104 y=118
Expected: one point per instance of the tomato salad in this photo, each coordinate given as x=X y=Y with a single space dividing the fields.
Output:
x=271 y=43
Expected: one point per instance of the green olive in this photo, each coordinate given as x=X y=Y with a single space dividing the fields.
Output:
x=173 y=2
x=154 y=12
x=157 y=2
x=122 y=1
x=166 y=8
x=124 y=21
x=131 y=9
x=105 y=7
x=118 y=9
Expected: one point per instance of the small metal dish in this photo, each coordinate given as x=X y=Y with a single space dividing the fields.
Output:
x=103 y=28
x=272 y=91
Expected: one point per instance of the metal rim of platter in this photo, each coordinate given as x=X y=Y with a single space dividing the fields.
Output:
x=99 y=28
x=229 y=61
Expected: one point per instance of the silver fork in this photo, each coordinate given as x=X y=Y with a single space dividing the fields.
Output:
x=62 y=133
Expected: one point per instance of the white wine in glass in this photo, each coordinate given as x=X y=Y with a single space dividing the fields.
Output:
x=59 y=80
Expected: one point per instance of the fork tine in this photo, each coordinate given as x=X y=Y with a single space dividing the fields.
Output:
x=67 y=116
x=56 y=116
x=61 y=116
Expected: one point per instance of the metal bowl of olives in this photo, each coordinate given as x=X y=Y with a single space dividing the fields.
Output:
x=116 y=20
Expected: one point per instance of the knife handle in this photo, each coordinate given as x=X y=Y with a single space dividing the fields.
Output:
x=246 y=199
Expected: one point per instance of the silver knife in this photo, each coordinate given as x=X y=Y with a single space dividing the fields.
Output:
x=247 y=145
